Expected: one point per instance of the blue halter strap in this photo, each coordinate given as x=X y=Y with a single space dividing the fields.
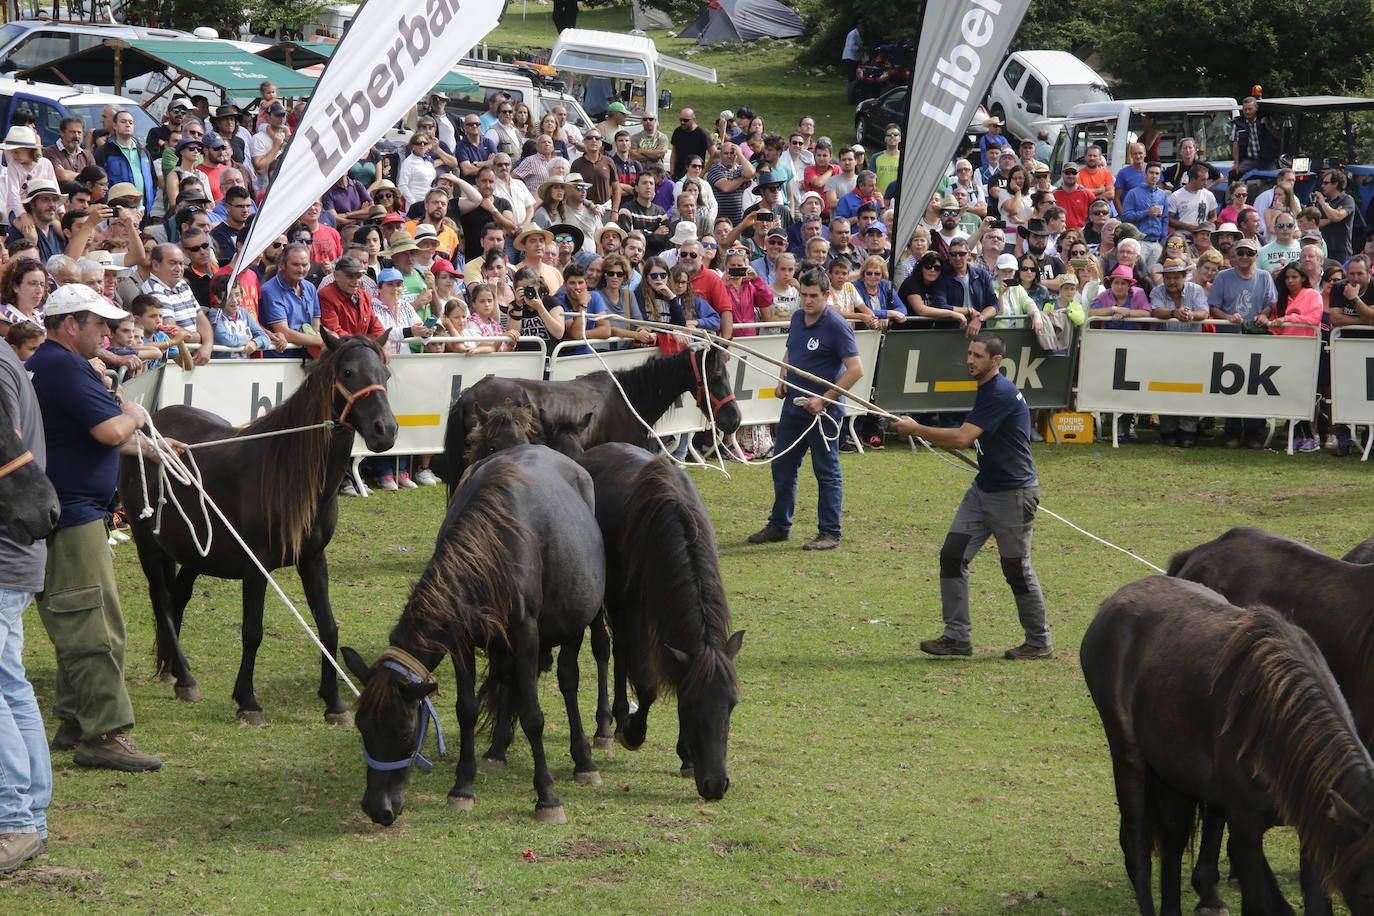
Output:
x=425 y=716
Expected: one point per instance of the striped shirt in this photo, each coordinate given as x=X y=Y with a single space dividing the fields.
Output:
x=180 y=302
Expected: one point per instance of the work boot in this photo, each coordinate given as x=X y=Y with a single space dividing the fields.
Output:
x=18 y=848
x=1026 y=650
x=115 y=751
x=822 y=541
x=68 y=736
x=946 y=646
x=768 y=535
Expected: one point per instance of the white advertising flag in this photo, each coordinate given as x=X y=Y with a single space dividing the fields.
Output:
x=393 y=53
x=961 y=45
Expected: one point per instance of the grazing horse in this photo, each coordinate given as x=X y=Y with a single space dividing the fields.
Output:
x=518 y=570
x=1325 y=596
x=281 y=493
x=666 y=606
x=1204 y=702
x=28 y=503
x=594 y=403
x=510 y=424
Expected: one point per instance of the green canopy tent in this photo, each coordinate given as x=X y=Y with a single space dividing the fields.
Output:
x=301 y=54
x=221 y=64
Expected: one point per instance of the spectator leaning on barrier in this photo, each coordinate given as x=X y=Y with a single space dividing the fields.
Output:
x=167 y=284
x=86 y=431
x=964 y=289
x=290 y=308
x=234 y=326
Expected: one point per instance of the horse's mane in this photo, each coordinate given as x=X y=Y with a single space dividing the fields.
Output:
x=684 y=604
x=466 y=592
x=1294 y=728
x=296 y=464
x=515 y=417
x=656 y=383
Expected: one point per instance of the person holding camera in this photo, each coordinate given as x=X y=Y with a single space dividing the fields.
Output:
x=534 y=312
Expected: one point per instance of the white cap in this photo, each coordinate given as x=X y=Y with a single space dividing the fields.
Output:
x=1006 y=262
x=78 y=297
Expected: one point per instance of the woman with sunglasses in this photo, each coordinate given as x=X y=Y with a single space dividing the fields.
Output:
x=615 y=290
x=1028 y=278
x=878 y=294
x=1013 y=300
x=710 y=252
x=384 y=194
x=916 y=290
x=416 y=174
x=188 y=151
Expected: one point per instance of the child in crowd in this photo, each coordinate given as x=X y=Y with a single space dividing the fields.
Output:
x=122 y=343
x=148 y=310
x=484 y=321
x=233 y=325
x=454 y=324
x=24 y=337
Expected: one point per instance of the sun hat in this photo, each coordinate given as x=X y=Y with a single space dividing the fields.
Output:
x=1225 y=228
x=532 y=229
x=610 y=227
x=401 y=242
x=1249 y=244
x=812 y=194
x=1006 y=262
x=425 y=232
x=577 y=234
x=443 y=266
x=389 y=275
x=951 y=202
x=21 y=136
x=1122 y=272
x=1170 y=266
x=103 y=258
x=78 y=297
x=684 y=233
x=1070 y=278
x=118 y=191
x=992 y=122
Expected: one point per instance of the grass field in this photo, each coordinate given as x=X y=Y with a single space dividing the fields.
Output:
x=867 y=778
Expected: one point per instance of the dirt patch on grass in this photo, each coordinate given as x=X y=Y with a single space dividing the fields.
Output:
x=587 y=849
x=821 y=884
x=724 y=847
x=81 y=883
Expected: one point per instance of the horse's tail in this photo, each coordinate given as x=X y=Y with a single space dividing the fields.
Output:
x=455 y=436
x=1179 y=560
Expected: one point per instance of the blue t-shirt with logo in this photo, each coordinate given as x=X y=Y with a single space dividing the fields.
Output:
x=1004 y=455
x=74 y=401
x=819 y=349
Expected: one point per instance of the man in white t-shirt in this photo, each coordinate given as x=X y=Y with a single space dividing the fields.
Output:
x=1192 y=205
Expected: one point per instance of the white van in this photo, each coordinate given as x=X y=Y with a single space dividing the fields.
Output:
x=1033 y=85
x=50 y=103
x=534 y=85
x=1113 y=126
x=605 y=67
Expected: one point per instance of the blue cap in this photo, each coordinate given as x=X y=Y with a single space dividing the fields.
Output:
x=389 y=275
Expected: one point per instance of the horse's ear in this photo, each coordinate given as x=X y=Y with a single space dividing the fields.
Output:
x=416 y=692
x=481 y=413
x=381 y=340
x=733 y=644
x=331 y=340
x=1345 y=815
x=682 y=657
x=585 y=422
x=354 y=663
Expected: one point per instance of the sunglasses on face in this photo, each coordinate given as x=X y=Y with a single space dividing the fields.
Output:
x=690 y=255
x=472 y=123
x=384 y=194
x=709 y=245
x=305 y=240
x=615 y=273
x=657 y=274
x=958 y=254
x=277 y=245
x=892 y=133
x=563 y=238
x=506 y=111
x=685 y=120
x=194 y=147
x=1027 y=267
x=1174 y=245
x=200 y=247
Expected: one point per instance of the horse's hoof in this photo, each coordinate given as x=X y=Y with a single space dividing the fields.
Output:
x=344 y=718
x=1201 y=910
x=492 y=765
x=602 y=743
x=620 y=739
x=251 y=717
x=550 y=815
x=687 y=773
x=188 y=694
x=589 y=778
x=461 y=802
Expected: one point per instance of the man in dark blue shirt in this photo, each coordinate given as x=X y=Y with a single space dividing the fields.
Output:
x=85 y=431
x=965 y=289
x=820 y=343
x=1001 y=503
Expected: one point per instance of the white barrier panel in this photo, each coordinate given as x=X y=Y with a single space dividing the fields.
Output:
x=682 y=417
x=754 y=380
x=144 y=388
x=424 y=385
x=1352 y=378
x=239 y=390
x=1185 y=373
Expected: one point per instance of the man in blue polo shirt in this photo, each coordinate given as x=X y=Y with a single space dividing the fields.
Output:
x=290 y=306
x=85 y=431
x=1001 y=503
x=820 y=343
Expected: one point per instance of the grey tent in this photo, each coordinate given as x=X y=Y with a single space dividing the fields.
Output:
x=743 y=20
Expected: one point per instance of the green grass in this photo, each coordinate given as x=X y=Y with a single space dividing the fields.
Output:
x=866 y=777
x=763 y=74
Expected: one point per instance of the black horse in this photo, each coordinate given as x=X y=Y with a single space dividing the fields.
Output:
x=666 y=605
x=594 y=405
x=1203 y=702
x=510 y=424
x=518 y=570
x=1325 y=596
x=28 y=502
x=279 y=492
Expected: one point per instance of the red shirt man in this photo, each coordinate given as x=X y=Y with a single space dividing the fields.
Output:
x=345 y=307
x=1072 y=198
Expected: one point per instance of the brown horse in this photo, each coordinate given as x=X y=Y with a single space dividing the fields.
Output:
x=1206 y=703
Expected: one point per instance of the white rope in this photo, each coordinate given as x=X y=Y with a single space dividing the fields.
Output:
x=172 y=466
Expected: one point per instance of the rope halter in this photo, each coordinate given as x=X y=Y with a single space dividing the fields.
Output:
x=16 y=463
x=351 y=397
x=406 y=665
x=701 y=390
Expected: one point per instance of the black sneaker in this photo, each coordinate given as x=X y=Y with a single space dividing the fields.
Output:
x=768 y=535
x=946 y=646
x=822 y=541
x=1026 y=650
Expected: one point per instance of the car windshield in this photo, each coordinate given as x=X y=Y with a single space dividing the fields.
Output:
x=1062 y=98
x=1211 y=130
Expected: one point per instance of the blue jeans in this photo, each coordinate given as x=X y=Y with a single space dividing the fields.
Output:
x=25 y=769
x=825 y=462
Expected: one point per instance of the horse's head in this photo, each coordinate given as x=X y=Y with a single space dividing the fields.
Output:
x=564 y=436
x=1354 y=872
x=707 y=694
x=28 y=502
x=360 y=375
x=393 y=716
x=503 y=426
x=713 y=383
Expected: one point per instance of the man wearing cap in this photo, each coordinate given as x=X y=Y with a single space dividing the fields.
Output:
x=345 y=306
x=1072 y=198
x=85 y=431
x=290 y=308
x=596 y=169
x=125 y=160
x=215 y=163
x=727 y=127
x=1192 y=204
x=650 y=145
x=41 y=202
x=160 y=136
x=617 y=116
x=443 y=124
x=269 y=142
x=1238 y=295
x=67 y=155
